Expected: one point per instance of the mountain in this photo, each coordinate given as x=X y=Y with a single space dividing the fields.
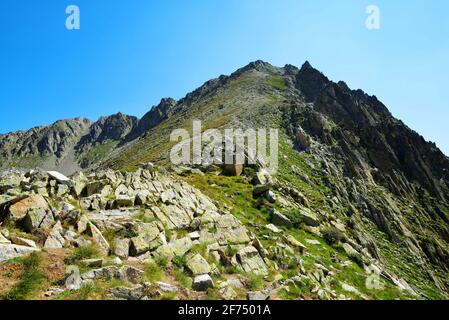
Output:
x=354 y=183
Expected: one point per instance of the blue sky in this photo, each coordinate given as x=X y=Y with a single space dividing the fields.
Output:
x=130 y=54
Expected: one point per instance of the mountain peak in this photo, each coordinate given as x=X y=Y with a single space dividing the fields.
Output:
x=310 y=82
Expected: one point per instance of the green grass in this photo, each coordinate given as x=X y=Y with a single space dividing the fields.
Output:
x=183 y=279
x=153 y=271
x=278 y=83
x=97 y=152
x=31 y=280
x=82 y=253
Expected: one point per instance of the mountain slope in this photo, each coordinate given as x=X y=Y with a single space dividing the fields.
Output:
x=362 y=175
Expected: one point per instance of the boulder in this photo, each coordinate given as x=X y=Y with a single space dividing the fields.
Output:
x=233 y=169
x=79 y=183
x=303 y=139
x=23 y=242
x=350 y=251
x=295 y=243
x=3 y=240
x=95 y=187
x=92 y=263
x=309 y=217
x=258 y=296
x=11 y=251
x=55 y=240
x=198 y=265
x=166 y=287
x=37 y=218
x=228 y=293
x=280 y=220
x=141 y=197
x=230 y=231
x=73 y=280
x=272 y=228
x=202 y=283
x=270 y=196
x=261 y=189
x=19 y=209
x=121 y=248
x=262 y=177
x=251 y=261
x=124 y=201
x=98 y=237
x=136 y=292
x=125 y=273
x=181 y=246
x=62 y=179
x=149 y=238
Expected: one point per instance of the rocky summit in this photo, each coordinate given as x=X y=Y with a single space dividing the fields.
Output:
x=358 y=208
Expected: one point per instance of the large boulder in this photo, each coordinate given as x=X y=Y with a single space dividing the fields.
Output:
x=37 y=218
x=149 y=238
x=262 y=177
x=251 y=261
x=136 y=292
x=60 y=178
x=230 y=231
x=303 y=139
x=19 y=209
x=23 y=242
x=198 y=265
x=125 y=273
x=79 y=183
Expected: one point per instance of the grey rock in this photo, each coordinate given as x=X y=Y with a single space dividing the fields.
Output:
x=202 y=283
x=121 y=248
x=23 y=242
x=258 y=296
x=55 y=240
x=11 y=251
x=281 y=220
x=251 y=261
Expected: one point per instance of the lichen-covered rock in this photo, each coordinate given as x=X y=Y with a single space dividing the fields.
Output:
x=198 y=265
x=11 y=251
x=55 y=240
x=19 y=209
x=149 y=238
x=37 y=218
x=251 y=261
x=121 y=248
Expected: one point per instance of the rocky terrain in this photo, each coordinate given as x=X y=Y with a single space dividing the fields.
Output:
x=357 y=210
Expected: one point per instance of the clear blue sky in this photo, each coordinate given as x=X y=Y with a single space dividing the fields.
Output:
x=129 y=54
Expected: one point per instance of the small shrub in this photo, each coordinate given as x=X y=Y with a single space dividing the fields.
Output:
x=153 y=271
x=255 y=282
x=332 y=235
x=180 y=261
